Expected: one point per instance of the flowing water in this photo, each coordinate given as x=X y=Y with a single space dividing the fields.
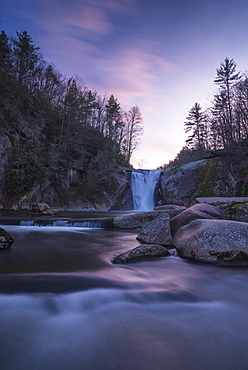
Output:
x=64 y=305
x=143 y=185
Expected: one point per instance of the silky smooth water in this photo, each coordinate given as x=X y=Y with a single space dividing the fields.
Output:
x=64 y=305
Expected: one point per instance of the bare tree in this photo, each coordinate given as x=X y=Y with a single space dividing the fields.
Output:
x=134 y=130
x=241 y=108
x=141 y=163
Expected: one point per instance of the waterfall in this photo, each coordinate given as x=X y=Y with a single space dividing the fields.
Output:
x=143 y=185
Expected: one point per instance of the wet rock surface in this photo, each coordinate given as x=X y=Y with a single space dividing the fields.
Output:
x=156 y=231
x=142 y=252
x=213 y=241
x=135 y=220
x=197 y=211
x=6 y=239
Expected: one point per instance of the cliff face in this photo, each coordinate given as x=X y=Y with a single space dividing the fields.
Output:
x=82 y=173
x=181 y=185
x=5 y=152
x=70 y=193
x=56 y=145
x=206 y=178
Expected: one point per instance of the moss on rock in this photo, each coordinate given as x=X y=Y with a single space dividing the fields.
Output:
x=205 y=178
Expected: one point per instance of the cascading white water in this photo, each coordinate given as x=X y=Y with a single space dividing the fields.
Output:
x=87 y=224
x=143 y=184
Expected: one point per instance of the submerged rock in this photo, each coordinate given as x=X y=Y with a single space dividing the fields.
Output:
x=197 y=211
x=143 y=251
x=213 y=241
x=156 y=231
x=6 y=239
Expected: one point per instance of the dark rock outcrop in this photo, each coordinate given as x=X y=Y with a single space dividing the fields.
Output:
x=43 y=209
x=142 y=252
x=6 y=239
x=124 y=198
x=213 y=241
x=5 y=150
x=233 y=208
x=68 y=193
x=205 y=178
x=156 y=231
x=197 y=211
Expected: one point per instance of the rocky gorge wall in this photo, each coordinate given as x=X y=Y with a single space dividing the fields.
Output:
x=205 y=178
x=70 y=194
x=179 y=185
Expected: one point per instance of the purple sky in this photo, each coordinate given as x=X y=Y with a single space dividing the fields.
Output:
x=161 y=55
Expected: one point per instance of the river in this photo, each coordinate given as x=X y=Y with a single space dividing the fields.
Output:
x=64 y=305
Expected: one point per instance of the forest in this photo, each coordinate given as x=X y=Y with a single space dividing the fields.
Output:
x=222 y=128
x=54 y=122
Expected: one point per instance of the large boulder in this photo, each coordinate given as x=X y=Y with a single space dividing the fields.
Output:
x=156 y=231
x=6 y=239
x=135 y=220
x=213 y=241
x=197 y=211
x=141 y=252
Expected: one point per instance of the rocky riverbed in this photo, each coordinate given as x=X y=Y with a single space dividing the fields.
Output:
x=197 y=233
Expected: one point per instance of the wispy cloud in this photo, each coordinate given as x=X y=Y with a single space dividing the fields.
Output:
x=72 y=18
x=87 y=15
x=77 y=30
x=78 y=35
x=116 y=6
x=133 y=70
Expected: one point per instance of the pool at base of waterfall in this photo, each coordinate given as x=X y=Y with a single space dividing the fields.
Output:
x=65 y=305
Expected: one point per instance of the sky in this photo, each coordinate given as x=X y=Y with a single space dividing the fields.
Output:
x=161 y=55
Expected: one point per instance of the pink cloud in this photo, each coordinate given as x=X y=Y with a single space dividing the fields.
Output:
x=79 y=16
x=116 y=6
x=134 y=73
x=68 y=16
x=89 y=18
x=93 y=16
